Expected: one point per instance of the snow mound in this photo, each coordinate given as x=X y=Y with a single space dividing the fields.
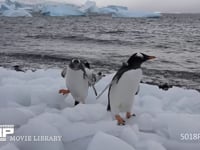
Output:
x=9 y=147
x=105 y=141
x=31 y=102
x=38 y=128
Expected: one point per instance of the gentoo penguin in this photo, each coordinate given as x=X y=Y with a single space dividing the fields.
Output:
x=18 y=68
x=124 y=86
x=79 y=77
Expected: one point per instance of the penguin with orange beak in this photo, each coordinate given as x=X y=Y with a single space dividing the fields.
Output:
x=125 y=85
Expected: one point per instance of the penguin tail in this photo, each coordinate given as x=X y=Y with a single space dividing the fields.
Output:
x=108 y=107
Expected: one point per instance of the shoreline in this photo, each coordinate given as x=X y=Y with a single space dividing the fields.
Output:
x=146 y=80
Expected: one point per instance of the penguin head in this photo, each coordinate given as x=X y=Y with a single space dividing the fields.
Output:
x=137 y=59
x=75 y=64
x=86 y=64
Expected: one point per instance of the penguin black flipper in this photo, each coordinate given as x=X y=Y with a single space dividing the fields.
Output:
x=64 y=72
x=114 y=81
x=76 y=103
x=108 y=106
x=137 y=90
x=120 y=72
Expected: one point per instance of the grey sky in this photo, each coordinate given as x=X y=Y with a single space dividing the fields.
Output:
x=191 y=6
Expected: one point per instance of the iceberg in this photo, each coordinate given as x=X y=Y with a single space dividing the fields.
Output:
x=12 y=8
x=121 y=11
x=61 y=10
x=16 y=13
x=88 y=7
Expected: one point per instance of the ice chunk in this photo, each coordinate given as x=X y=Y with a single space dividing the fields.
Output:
x=104 y=141
x=146 y=122
x=150 y=145
x=9 y=147
x=82 y=130
x=55 y=119
x=31 y=100
x=14 y=116
x=89 y=113
x=38 y=128
x=130 y=136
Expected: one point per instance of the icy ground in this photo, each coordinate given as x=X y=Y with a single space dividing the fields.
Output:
x=31 y=102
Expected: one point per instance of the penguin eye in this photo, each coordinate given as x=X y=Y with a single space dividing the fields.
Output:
x=99 y=73
x=76 y=61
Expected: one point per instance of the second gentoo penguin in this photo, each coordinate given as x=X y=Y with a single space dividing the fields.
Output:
x=79 y=78
x=124 y=86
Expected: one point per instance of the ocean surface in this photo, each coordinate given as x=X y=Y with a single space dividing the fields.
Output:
x=50 y=42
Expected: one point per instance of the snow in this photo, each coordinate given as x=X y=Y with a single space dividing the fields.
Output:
x=13 y=8
x=37 y=127
x=105 y=141
x=31 y=102
x=9 y=147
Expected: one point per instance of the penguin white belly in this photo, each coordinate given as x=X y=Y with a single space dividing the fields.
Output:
x=122 y=93
x=77 y=85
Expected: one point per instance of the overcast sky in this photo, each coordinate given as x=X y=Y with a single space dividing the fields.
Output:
x=191 y=6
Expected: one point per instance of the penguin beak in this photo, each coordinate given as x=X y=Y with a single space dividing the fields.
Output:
x=151 y=57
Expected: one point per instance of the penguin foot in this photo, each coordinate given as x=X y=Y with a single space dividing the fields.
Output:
x=119 y=119
x=64 y=91
x=129 y=115
x=76 y=103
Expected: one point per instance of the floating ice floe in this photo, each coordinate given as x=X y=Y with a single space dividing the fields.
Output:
x=164 y=119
